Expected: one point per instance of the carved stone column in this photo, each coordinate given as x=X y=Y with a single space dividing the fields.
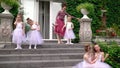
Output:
x=85 y=32
x=5 y=28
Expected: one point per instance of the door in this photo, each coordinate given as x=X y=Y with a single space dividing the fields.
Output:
x=44 y=15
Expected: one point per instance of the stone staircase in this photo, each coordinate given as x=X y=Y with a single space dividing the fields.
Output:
x=48 y=55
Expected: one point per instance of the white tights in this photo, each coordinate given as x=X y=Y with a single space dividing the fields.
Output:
x=35 y=47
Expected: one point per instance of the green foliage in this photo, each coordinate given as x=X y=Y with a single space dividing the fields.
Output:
x=114 y=53
x=27 y=27
x=1 y=9
x=113 y=12
x=88 y=6
x=116 y=29
x=10 y=2
x=13 y=3
x=112 y=7
x=71 y=9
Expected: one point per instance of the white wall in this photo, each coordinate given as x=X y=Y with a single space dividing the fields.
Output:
x=54 y=9
x=30 y=9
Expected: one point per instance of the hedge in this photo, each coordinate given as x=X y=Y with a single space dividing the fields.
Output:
x=112 y=7
x=113 y=49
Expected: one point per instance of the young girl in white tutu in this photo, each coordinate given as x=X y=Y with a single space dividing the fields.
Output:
x=34 y=35
x=69 y=34
x=18 y=33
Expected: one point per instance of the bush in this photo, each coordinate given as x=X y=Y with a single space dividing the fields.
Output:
x=112 y=13
x=114 y=53
x=10 y=2
x=88 y=6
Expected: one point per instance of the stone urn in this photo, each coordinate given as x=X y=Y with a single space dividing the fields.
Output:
x=84 y=12
x=6 y=8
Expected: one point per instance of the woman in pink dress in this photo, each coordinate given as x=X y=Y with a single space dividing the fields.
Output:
x=60 y=23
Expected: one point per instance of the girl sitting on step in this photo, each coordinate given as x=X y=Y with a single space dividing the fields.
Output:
x=91 y=60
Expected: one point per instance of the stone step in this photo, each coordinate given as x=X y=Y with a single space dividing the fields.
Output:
x=16 y=57
x=59 y=67
x=39 y=63
x=54 y=41
x=42 y=51
x=47 y=45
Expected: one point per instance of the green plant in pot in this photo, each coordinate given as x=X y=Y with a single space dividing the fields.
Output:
x=85 y=9
x=8 y=4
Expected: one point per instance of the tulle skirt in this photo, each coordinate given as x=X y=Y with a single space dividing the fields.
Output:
x=95 y=65
x=102 y=65
x=69 y=34
x=84 y=65
x=18 y=37
x=34 y=37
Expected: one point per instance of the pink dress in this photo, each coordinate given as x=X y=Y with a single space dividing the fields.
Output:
x=18 y=36
x=60 y=23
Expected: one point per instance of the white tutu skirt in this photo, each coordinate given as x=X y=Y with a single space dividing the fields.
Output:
x=18 y=36
x=95 y=65
x=34 y=37
x=102 y=65
x=84 y=65
x=69 y=34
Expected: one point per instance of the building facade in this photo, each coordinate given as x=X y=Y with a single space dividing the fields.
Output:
x=44 y=12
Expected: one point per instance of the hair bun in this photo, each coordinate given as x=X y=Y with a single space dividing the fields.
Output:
x=64 y=4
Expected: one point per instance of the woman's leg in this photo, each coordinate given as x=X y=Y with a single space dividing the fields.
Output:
x=59 y=39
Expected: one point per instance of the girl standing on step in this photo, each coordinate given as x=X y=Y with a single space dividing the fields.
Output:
x=69 y=34
x=34 y=35
x=18 y=33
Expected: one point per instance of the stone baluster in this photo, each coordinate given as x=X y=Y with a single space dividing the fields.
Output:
x=5 y=28
x=85 y=32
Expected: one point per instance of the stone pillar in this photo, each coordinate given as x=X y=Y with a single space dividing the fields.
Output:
x=5 y=28
x=85 y=32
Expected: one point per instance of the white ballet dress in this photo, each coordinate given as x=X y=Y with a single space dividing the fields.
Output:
x=18 y=34
x=34 y=36
x=69 y=34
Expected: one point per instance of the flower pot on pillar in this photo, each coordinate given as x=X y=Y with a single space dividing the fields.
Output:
x=6 y=8
x=85 y=32
x=84 y=12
